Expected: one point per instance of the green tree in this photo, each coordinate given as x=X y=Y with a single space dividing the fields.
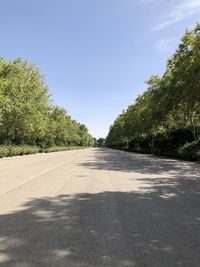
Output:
x=169 y=110
x=26 y=113
x=24 y=102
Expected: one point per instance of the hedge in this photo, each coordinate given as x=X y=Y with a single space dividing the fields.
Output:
x=9 y=151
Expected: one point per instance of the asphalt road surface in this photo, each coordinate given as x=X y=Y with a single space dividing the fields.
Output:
x=99 y=207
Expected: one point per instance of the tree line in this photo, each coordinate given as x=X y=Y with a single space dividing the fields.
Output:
x=27 y=115
x=165 y=119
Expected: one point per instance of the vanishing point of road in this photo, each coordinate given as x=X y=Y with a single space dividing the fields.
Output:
x=99 y=207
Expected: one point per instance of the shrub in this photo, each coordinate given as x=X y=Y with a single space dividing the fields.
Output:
x=162 y=145
x=141 y=144
x=168 y=144
x=4 y=151
x=181 y=136
x=9 y=151
x=190 y=151
x=60 y=148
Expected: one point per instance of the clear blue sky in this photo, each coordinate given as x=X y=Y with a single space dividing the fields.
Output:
x=95 y=54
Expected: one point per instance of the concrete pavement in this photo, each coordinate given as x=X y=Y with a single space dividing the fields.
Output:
x=99 y=207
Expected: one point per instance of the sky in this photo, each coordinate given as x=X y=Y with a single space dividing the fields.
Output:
x=95 y=54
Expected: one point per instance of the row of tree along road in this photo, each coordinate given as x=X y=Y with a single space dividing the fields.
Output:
x=29 y=123
x=165 y=119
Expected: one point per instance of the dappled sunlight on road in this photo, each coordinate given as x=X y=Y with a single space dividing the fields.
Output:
x=115 y=210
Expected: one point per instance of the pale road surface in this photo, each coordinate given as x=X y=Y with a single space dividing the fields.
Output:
x=99 y=207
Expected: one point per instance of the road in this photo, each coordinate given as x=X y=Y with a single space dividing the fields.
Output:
x=99 y=207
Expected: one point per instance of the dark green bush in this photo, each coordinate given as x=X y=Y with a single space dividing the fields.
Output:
x=178 y=143
x=162 y=144
x=141 y=144
x=169 y=143
x=190 y=151
x=119 y=145
x=181 y=136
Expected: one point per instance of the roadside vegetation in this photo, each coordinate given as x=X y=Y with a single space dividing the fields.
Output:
x=29 y=122
x=99 y=142
x=165 y=119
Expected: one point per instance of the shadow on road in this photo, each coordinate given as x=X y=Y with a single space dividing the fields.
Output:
x=158 y=227
x=115 y=160
x=86 y=230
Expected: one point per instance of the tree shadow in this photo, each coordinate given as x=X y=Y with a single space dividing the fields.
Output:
x=158 y=225
x=115 y=160
x=104 y=229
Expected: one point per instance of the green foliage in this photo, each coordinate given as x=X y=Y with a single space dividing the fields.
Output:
x=61 y=148
x=100 y=142
x=13 y=150
x=9 y=151
x=141 y=144
x=4 y=151
x=27 y=116
x=167 y=115
x=25 y=101
x=190 y=151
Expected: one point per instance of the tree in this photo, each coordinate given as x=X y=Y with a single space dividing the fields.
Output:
x=26 y=113
x=24 y=102
x=101 y=142
x=169 y=109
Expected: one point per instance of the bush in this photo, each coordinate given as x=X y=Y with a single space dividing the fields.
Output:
x=181 y=136
x=9 y=151
x=119 y=145
x=60 y=148
x=178 y=143
x=190 y=151
x=4 y=151
x=141 y=144
x=163 y=145
x=168 y=144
